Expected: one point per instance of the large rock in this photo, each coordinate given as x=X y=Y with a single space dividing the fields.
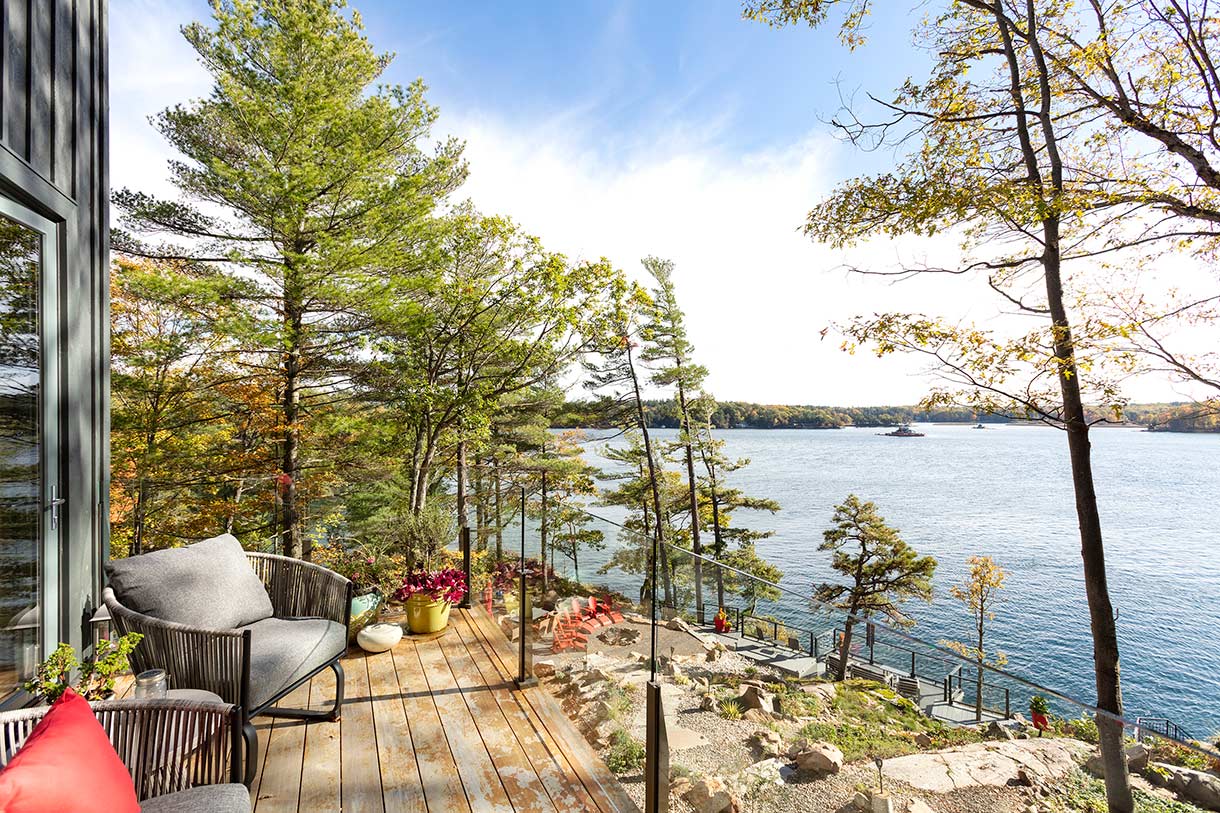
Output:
x=1137 y=761
x=1197 y=787
x=755 y=697
x=769 y=743
x=819 y=758
x=712 y=795
x=757 y=716
x=825 y=692
x=993 y=764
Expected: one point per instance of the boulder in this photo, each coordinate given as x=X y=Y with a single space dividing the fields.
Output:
x=992 y=764
x=765 y=772
x=677 y=624
x=757 y=716
x=819 y=758
x=708 y=703
x=544 y=669
x=379 y=637
x=995 y=731
x=1137 y=761
x=769 y=743
x=1198 y=788
x=712 y=795
x=826 y=692
x=923 y=742
x=862 y=802
x=755 y=697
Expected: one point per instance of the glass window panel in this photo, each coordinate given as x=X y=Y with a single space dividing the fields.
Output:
x=20 y=454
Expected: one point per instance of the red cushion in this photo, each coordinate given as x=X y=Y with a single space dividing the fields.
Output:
x=67 y=765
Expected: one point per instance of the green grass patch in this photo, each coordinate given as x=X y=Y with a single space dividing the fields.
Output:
x=872 y=721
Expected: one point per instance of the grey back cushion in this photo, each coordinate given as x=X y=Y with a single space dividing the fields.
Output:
x=209 y=584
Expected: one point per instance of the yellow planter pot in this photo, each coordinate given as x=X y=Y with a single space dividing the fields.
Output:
x=425 y=615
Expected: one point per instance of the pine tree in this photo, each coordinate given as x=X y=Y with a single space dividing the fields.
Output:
x=305 y=180
x=882 y=570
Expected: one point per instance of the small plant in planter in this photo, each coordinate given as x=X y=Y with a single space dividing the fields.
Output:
x=375 y=570
x=96 y=675
x=429 y=594
x=1039 y=709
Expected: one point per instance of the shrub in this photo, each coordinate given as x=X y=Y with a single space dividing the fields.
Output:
x=731 y=710
x=95 y=677
x=626 y=754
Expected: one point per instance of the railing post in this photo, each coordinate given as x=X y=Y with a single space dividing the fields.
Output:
x=525 y=657
x=1007 y=705
x=775 y=631
x=542 y=547
x=813 y=644
x=465 y=543
x=656 y=759
x=912 y=664
x=816 y=654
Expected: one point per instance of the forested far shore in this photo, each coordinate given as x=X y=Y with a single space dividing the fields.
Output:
x=663 y=414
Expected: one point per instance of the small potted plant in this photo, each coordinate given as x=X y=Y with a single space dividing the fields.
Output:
x=429 y=594
x=96 y=675
x=1039 y=708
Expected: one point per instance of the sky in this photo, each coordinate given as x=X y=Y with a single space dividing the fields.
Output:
x=628 y=128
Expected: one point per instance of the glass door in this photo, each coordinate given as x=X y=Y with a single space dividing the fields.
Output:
x=30 y=495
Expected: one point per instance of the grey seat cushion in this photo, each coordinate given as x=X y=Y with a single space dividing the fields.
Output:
x=209 y=584
x=207 y=799
x=284 y=650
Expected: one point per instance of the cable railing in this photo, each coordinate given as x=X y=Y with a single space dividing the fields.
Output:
x=567 y=583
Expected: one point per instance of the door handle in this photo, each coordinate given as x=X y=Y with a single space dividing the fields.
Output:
x=53 y=507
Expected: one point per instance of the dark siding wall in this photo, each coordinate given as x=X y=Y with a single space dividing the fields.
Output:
x=53 y=159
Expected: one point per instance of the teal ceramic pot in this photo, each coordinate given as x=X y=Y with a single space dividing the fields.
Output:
x=364 y=611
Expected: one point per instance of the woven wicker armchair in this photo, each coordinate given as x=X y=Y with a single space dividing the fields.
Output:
x=182 y=755
x=307 y=633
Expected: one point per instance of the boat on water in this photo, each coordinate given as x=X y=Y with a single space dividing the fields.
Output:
x=903 y=431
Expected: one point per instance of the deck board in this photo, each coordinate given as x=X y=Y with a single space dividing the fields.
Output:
x=434 y=725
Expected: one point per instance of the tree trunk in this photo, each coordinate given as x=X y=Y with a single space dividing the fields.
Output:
x=692 y=488
x=291 y=540
x=1101 y=611
x=718 y=541
x=462 y=516
x=845 y=646
x=978 y=689
x=499 y=518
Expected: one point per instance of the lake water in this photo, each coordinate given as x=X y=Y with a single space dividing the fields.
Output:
x=1006 y=492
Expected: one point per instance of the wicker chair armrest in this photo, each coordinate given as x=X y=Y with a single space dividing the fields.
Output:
x=193 y=658
x=167 y=745
x=301 y=589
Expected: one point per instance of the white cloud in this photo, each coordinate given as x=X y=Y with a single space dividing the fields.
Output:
x=756 y=291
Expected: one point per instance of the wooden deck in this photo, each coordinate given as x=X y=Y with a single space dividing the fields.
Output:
x=432 y=726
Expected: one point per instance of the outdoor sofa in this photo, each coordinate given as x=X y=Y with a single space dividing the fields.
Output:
x=183 y=756
x=249 y=627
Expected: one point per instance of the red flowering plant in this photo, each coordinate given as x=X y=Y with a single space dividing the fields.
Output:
x=447 y=584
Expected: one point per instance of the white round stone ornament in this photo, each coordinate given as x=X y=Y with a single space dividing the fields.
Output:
x=379 y=637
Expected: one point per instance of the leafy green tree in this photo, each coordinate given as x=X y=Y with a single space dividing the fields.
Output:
x=881 y=569
x=498 y=319
x=980 y=593
x=1009 y=142
x=307 y=183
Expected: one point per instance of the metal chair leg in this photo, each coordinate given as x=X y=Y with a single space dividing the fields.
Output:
x=337 y=711
x=250 y=736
